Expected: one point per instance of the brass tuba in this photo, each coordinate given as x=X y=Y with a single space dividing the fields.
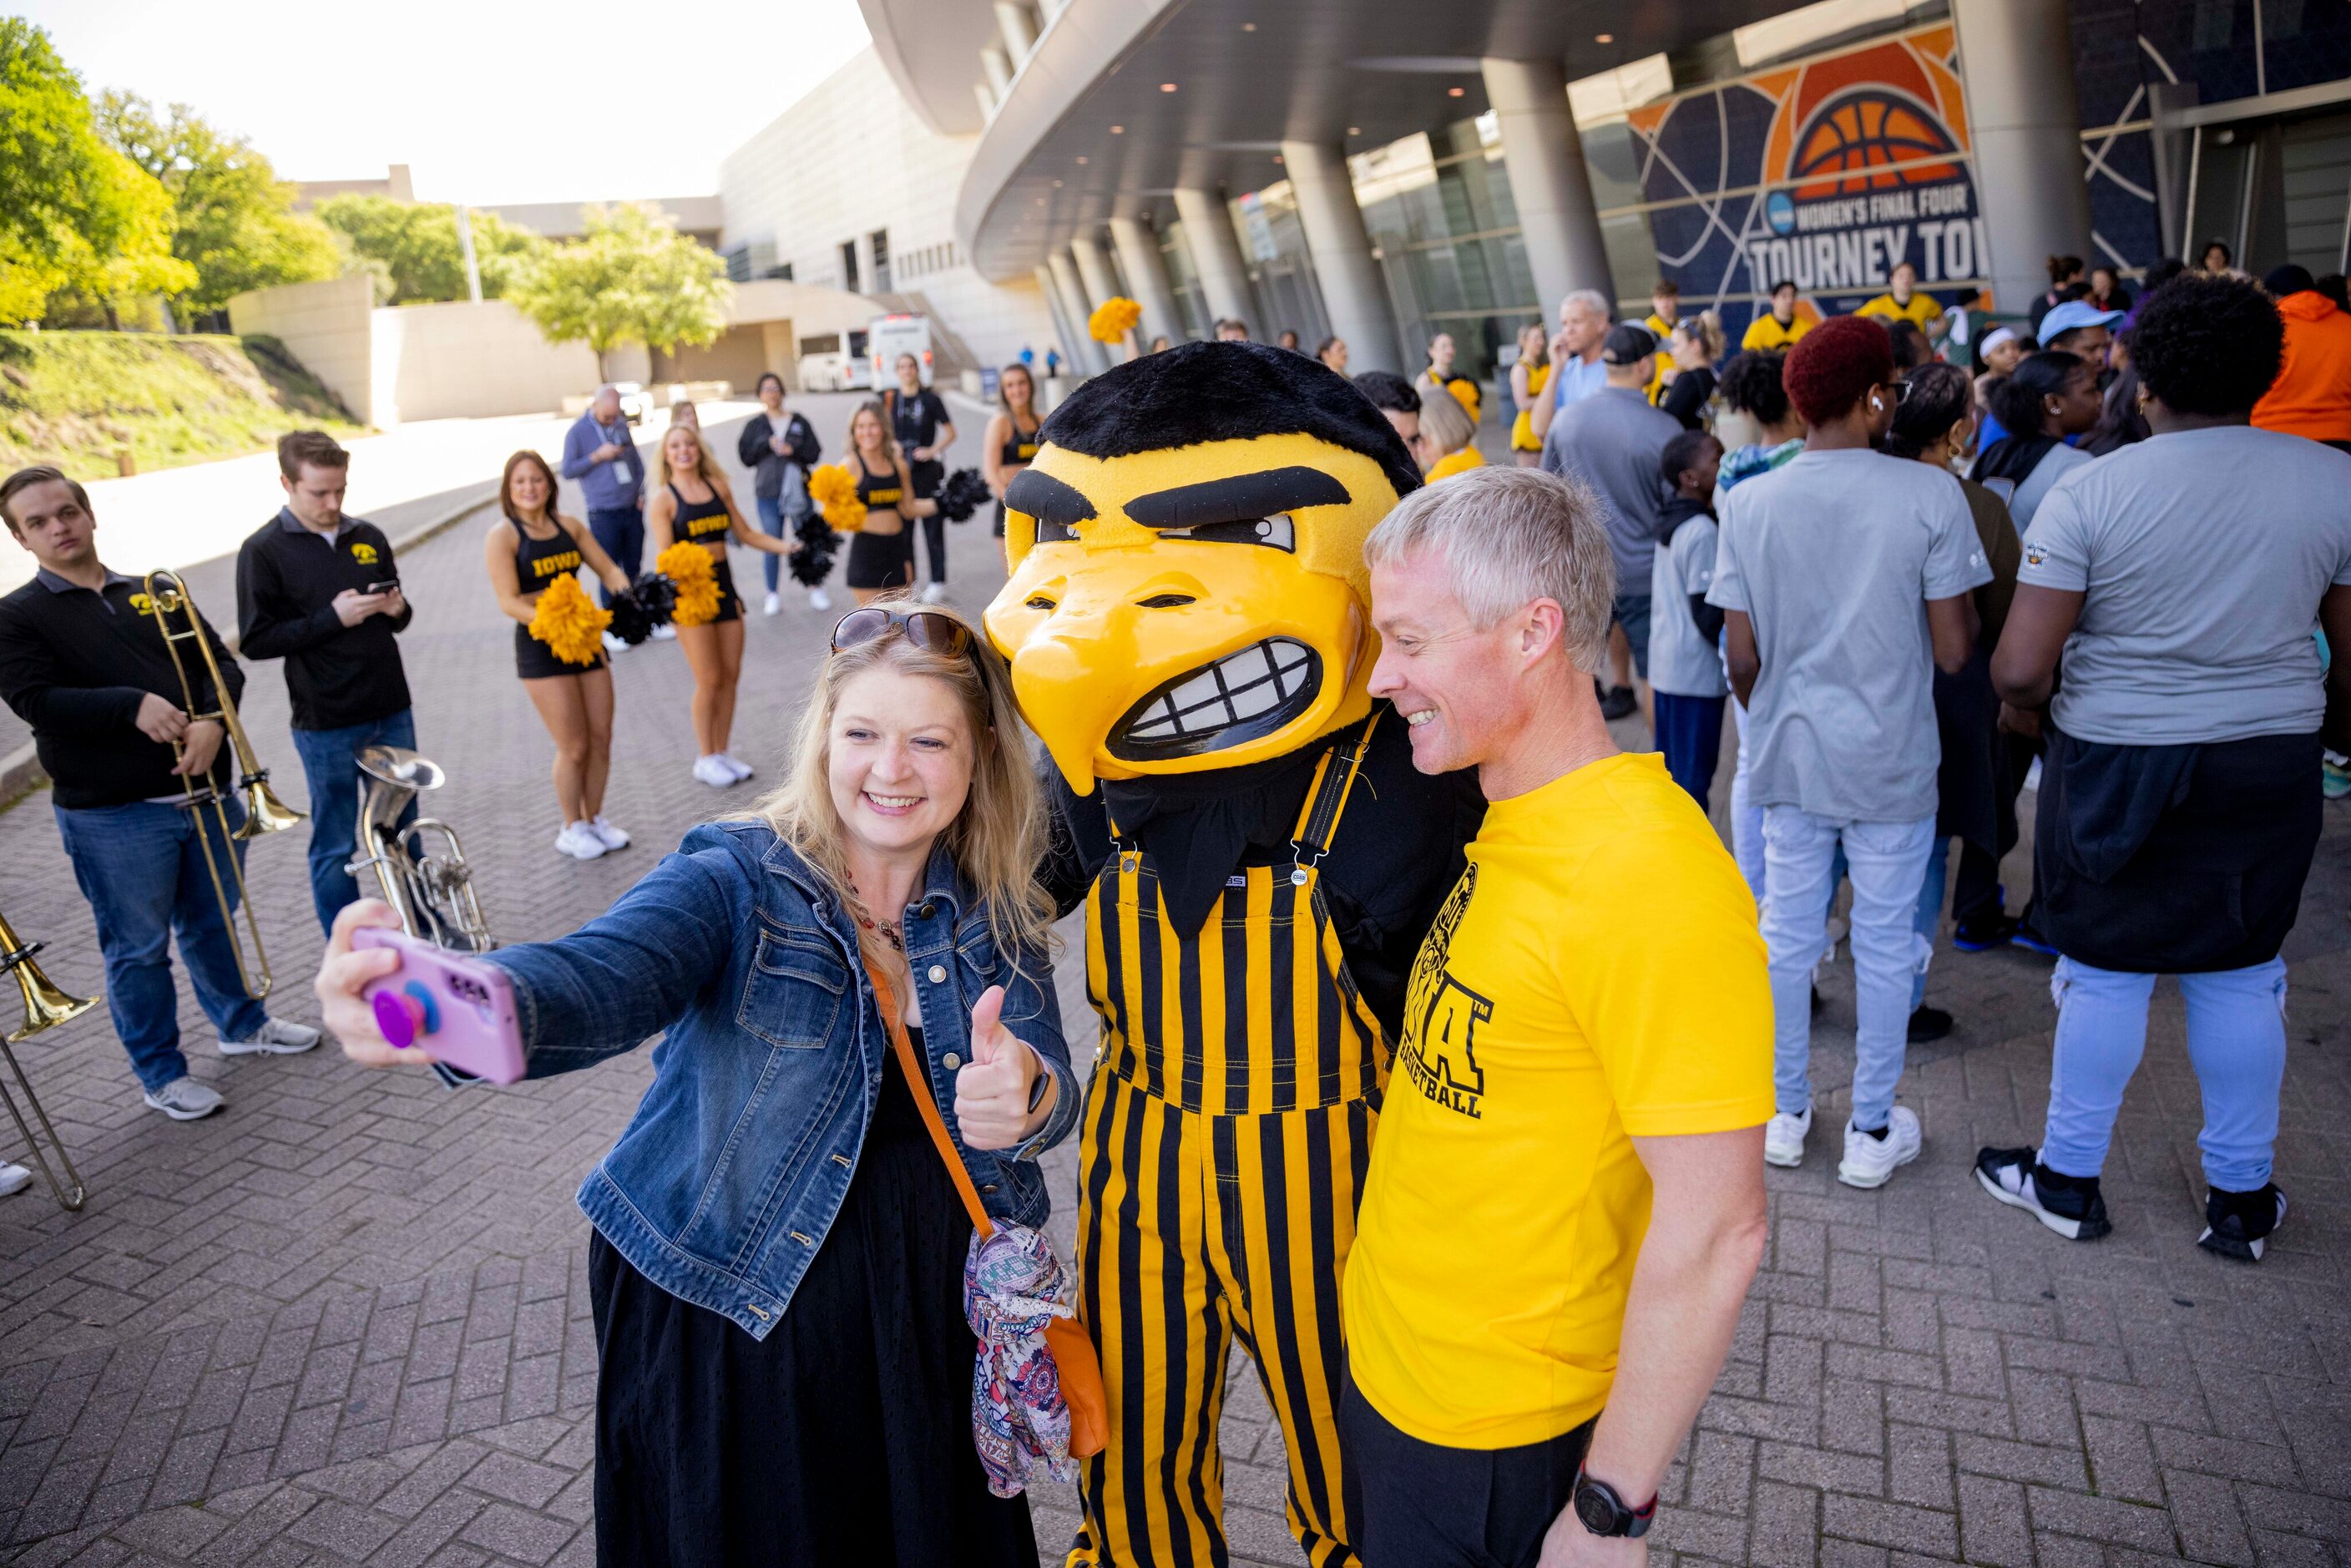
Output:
x=46 y=1007
x=421 y=868
x=166 y=596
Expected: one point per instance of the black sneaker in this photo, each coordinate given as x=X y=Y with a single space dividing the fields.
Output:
x=1983 y=936
x=2031 y=941
x=2237 y=1224
x=2070 y=1206
x=1929 y=1023
x=1620 y=703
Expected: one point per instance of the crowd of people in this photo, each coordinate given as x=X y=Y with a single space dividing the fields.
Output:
x=1355 y=847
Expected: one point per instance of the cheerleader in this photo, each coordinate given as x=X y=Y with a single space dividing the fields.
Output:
x=1011 y=438
x=526 y=550
x=882 y=556
x=919 y=423
x=696 y=504
x=1528 y=377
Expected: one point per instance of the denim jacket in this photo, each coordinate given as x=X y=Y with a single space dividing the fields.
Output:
x=725 y=1184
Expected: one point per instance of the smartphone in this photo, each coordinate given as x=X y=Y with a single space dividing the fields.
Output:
x=457 y=1008
x=386 y=586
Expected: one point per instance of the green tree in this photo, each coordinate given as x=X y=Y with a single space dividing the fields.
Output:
x=235 y=221
x=416 y=247
x=74 y=213
x=631 y=278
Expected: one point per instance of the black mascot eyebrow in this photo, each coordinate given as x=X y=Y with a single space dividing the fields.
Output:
x=1236 y=499
x=1047 y=499
x=1165 y=401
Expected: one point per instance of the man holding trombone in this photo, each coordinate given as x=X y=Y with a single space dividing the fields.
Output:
x=130 y=732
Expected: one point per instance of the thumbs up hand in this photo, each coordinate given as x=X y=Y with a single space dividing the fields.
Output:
x=992 y=1088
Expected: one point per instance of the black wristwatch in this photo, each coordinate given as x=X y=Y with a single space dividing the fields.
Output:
x=1602 y=1513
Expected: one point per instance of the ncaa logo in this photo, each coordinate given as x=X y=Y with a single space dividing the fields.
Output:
x=1779 y=212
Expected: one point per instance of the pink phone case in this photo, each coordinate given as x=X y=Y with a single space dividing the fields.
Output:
x=458 y=1009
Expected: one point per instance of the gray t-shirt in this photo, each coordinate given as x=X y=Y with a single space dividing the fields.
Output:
x=2061 y=461
x=1612 y=441
x=1682 y=663
x=2201 y=557
x=1833 y=558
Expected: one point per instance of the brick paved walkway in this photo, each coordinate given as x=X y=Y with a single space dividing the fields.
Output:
x=346 y=1320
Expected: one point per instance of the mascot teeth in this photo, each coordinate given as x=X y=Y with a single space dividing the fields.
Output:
x=1260 y=688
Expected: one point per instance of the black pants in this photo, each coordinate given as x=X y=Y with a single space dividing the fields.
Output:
x=929 y=479
x=1419 y=1505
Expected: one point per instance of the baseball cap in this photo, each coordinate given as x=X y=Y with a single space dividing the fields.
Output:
x=1627 y=344
x=2074 y=314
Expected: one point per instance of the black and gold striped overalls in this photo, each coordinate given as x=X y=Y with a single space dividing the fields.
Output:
x=1226 y=1134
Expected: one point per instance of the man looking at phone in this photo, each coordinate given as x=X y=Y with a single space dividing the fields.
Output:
x=85 y=665
x=320 y=590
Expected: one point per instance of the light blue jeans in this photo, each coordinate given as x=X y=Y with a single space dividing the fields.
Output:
x=1930 y=913
x=1887 y=863
x=330 y=768
x=2236 y=1042
x=1746 y=817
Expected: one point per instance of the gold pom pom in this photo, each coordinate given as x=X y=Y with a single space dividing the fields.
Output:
x=834 y=490
x=688 y=566
x=569 y=623
x=1113 y=319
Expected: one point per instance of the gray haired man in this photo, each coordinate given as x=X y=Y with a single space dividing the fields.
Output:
x=599 y=453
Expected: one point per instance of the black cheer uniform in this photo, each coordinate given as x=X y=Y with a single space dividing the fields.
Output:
x=880 y=560
x=1017 y=452
x=802 y=1450
x=537 y=563
x=707 y=523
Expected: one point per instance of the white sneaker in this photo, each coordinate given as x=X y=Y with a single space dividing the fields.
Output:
x=1869 y=1161
x=579 y=841
x=275 y=1039
x=773 y=604
x=819 y=600
x=13 y=1178
x=664 y=632
x=612 y=837
x=1783 y=1138
x=742 y=769
x=615 y=644
x=184 y=1100
x=713 y=771
x=935 y=593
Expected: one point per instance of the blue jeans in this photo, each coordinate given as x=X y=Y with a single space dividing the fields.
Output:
x=2236 y=1042
x=772 y=524
x=1929 y=918
x=620 y=531
x=141 y=866
x=1886 y=861
x=1689 y=733
x=329 y=763
x=1746 y=817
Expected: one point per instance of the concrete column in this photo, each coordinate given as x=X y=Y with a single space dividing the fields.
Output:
x=1215 y=253
x=1549 y=184
x=1050 y=287
x=1139 y=257
x=1353 y=290
x=1081 y=347
x=1018 y=27
x=1100 y=284
x=996 y=70
x=2017 y=58
x=980 y=90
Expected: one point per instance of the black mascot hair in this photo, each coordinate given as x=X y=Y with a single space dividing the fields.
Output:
x=813 y=563
x=964 y=493
x=1225 y=391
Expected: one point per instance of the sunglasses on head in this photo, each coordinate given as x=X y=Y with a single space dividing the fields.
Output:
x=926 y=629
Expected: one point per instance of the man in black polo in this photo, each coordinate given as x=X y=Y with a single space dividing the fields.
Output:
x=321 y=591
x=84 y=665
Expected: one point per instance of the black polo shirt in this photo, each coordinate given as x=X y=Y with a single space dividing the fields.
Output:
x=76 y=663
x=287 y=579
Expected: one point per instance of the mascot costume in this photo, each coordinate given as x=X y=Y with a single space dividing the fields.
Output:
x=1187 y=622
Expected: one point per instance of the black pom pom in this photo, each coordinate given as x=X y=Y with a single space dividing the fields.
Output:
x=657 y=596
x=964 y=493
x=631 y=624
x=813 y=563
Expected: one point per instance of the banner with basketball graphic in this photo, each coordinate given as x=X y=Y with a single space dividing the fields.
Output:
x=1827 y=173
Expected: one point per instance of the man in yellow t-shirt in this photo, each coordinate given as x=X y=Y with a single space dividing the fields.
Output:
x=1665 y=310
x=1565 y=1203
x=1903 y=302
x=1778 y=327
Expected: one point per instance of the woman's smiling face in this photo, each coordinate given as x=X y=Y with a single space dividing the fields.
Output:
x=900 y=759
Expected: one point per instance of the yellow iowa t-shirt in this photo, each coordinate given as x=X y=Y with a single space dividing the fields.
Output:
x=1765 y=332
x=1595 y=976
x=1922 y=312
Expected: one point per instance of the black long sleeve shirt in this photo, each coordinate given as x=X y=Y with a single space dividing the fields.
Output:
x=76 y=663
x=287 y=580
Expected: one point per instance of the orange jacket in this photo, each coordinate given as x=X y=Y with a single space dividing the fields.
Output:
x=2312 y=394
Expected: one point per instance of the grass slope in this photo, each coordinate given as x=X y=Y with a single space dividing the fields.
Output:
x=73 y=398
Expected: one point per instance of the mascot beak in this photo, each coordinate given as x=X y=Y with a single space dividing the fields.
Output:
x=1065 y=674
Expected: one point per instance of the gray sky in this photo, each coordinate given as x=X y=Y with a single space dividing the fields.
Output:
x=485 y=100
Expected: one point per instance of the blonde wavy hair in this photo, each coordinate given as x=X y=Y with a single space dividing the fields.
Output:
x=999 y=838
x=889 y=437
x=705 y=467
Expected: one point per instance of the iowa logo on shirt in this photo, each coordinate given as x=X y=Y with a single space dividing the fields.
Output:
x=142 y=603
x=363 y=552
x=1442 y=1015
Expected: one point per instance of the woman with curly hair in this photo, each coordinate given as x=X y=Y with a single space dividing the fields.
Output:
x=2179 y=578
x=526 y=550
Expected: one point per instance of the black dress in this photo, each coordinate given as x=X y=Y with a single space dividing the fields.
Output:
x=844 y=1436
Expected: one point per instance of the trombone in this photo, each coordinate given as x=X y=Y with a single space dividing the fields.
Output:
x=421 y=868
x=46 y=1007
x=167 y=595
